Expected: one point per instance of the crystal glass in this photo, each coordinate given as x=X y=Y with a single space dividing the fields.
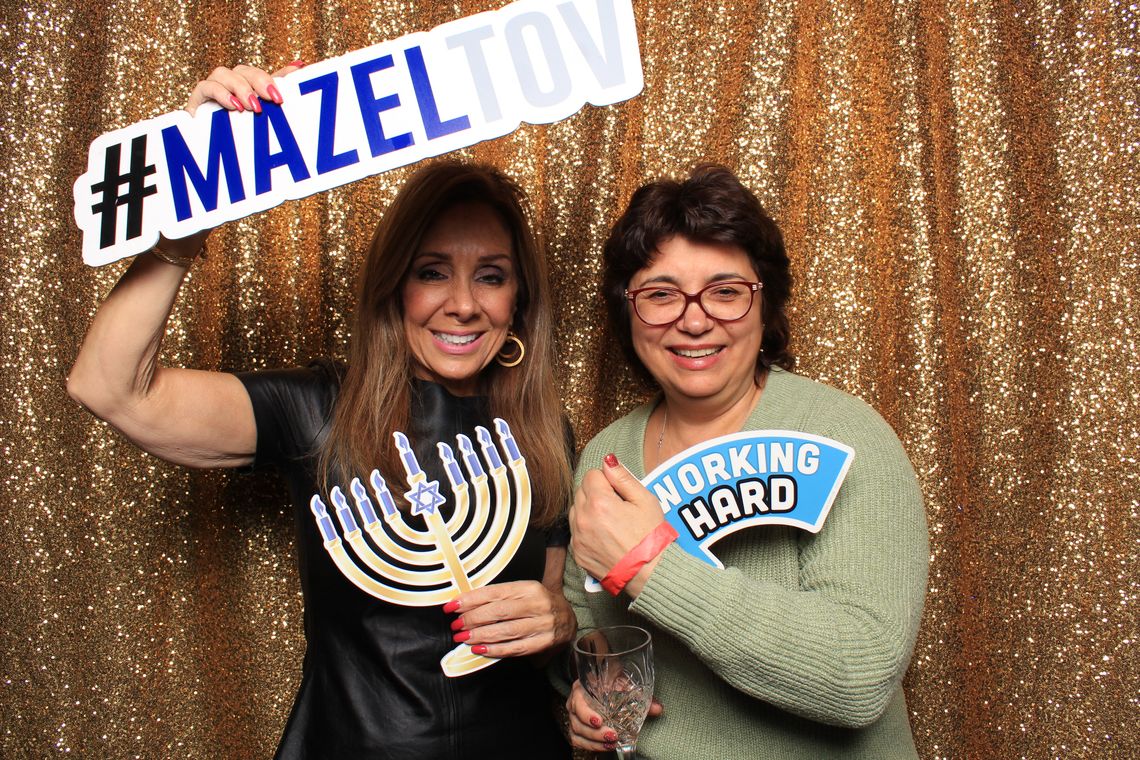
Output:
x=615 y=668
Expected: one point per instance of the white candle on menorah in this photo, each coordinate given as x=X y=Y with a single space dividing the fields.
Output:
x=449 y=557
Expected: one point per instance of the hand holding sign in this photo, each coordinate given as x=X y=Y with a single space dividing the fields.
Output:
x=236 y=89
x=713 y=489
x=513 y=619
x=612 y=513
x=241 y=88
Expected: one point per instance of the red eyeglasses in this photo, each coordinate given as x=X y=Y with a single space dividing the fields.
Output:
x=723 y=301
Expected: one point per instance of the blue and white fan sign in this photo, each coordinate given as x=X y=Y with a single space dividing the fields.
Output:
x=738 y=481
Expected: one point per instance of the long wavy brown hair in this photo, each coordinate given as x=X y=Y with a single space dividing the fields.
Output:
x=375 y=395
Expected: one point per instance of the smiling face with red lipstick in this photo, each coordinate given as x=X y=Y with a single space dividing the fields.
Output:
x=696 y=356
x=459 y=296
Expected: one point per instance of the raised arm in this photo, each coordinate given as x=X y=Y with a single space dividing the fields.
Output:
x=190 y=417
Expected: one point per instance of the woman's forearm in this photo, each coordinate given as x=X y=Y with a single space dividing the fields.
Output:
x=200 y=419
x=117 y=359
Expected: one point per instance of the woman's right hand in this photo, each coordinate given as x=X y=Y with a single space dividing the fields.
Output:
x=241 y=88
x=189 y=417
x=586 y=729
x=238 y=89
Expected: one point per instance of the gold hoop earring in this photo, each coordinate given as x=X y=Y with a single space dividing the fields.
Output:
x=511 y=358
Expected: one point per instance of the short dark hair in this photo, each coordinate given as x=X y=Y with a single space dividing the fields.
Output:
x=711 y=206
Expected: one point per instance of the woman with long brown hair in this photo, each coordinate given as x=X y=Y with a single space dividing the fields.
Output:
x=452 y=329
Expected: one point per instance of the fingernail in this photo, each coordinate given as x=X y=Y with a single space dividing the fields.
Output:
x=237 y=103
x=479 y=649
x=451 y=606
x=610 y=737
x=274 y=94
x=610 y=460
x=254 y=103
x=299 y=63
x=611 y=745
x=457 y=624
x=595 y=721
x=462 y=636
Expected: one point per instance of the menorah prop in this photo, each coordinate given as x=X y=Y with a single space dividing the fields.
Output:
x=449 y=557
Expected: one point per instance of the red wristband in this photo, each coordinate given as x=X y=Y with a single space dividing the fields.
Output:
x=653 y=544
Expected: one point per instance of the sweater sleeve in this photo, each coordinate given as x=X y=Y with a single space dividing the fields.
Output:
x=833 y=644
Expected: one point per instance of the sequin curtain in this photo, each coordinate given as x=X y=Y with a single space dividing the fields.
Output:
x=957 y=184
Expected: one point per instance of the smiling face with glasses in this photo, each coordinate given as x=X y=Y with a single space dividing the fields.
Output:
x=695 y=322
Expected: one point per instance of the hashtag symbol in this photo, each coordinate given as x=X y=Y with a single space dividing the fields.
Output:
x=137 y=190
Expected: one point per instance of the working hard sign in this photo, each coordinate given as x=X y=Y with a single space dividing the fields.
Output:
x=350 y=117
x=744 y=480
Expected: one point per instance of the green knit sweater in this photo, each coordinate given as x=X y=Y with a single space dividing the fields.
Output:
x=798 y=647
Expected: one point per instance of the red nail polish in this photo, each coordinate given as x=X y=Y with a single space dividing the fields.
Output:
x=254 y=103
x=610 y=460
x=237 y=103
x=274 y=94
x=299 y=63
x=479 y=649
x=451 y=606
x=457 y=624
x=595 y=721
x=610 y=737
x=462 y=636
x=611 y=745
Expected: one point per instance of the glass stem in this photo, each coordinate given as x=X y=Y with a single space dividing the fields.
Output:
x=626 y=752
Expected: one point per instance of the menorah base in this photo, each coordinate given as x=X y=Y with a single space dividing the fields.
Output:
x=461 y=661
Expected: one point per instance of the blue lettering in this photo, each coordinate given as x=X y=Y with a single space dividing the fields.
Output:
x=429 y=111
x=221 y=155
x=371 y=107
x=265 y=162
x=327 y=159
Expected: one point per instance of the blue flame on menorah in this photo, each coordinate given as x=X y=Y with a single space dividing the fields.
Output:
x=459 y=554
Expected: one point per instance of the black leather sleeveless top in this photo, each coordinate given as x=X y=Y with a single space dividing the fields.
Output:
x=371 y=684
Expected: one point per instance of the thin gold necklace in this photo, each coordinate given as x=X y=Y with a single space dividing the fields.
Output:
x=759 y=388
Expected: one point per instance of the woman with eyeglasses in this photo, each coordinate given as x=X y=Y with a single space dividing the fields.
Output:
x=797 y=648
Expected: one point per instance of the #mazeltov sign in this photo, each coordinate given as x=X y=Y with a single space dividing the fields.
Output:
x=360 y=114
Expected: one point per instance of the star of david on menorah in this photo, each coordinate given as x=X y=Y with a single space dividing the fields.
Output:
x=421 y=568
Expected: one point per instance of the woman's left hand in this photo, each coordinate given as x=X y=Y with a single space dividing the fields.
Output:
x=513 y=619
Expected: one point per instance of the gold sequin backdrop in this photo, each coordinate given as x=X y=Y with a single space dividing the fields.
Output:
x=957 y=184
